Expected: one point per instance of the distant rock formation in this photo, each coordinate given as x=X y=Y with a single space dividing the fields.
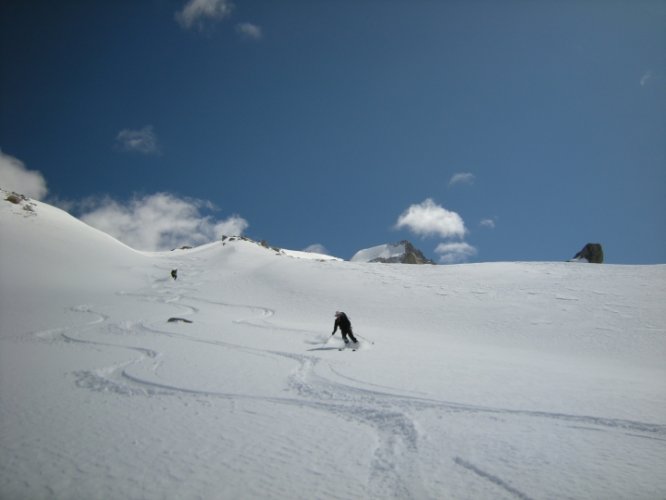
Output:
x=402 y=252
x=592 y=252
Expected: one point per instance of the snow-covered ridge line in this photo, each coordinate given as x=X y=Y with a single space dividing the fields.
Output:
x=281 y=251
x=19 y=204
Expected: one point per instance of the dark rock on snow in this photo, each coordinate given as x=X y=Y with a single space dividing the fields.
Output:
x=179 y=320
x=592 y=252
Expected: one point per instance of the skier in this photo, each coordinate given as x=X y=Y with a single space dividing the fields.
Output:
x=174 y=274
x=342 y=321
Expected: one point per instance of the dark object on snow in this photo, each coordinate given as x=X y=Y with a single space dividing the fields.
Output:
x=592 y=252
x=342 y=321
x=15 y=198
x=411 y=255
x=174 y=273
x=177 y=320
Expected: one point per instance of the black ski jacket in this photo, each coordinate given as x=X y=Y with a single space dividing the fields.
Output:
x=343 y=322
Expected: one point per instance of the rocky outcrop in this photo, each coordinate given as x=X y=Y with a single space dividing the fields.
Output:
x=413 y=255
x=592 y=252
x=402 y=252
x=21 y=200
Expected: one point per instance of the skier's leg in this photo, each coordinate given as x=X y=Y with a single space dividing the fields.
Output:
x=344 y=337
x=351 y=336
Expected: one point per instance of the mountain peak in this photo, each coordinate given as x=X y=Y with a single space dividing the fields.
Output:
x=402 y=252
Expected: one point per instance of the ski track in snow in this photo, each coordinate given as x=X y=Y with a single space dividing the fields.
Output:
x=492 y=478
x=392 y=413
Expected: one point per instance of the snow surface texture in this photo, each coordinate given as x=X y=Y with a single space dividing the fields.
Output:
x=503 y=380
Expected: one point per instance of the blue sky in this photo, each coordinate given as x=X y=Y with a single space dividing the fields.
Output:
x=479 y=130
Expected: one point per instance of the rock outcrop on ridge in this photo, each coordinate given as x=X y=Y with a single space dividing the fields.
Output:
x=402 y=252
x=592 y=252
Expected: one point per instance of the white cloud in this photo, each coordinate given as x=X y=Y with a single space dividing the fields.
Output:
x=462 y=178
x=143 y=140
x=489 y=223
x=249 y=31
x=316 y=248
x=161 y=221
x=197 y=12
x=234 y=225
x=14 y=176
x=451 y=253
x=428 y=218
x=646 y=77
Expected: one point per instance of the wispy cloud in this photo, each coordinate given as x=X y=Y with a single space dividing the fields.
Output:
x=462 y=178
x=451 y=253
x=429 y=219
x=489 y=223
x=249 y=31
x=646 y=78
x=143 y=140
x=316 y=248
x=160 y=221
x=14 y=176
x=197 y=13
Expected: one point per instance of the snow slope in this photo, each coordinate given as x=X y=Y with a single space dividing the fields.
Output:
x=504 y=380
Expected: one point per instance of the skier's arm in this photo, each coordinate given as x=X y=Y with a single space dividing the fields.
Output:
x=335 y=327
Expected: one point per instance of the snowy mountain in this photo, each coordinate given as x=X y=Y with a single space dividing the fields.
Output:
x=484 y=381
x=402 y=252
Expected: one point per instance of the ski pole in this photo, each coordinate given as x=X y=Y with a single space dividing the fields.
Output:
x=365 y=338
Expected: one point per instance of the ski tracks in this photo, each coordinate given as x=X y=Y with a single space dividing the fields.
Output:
x=492 y=478
x=315 y=382
x=395 y=470
x=396 y=465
